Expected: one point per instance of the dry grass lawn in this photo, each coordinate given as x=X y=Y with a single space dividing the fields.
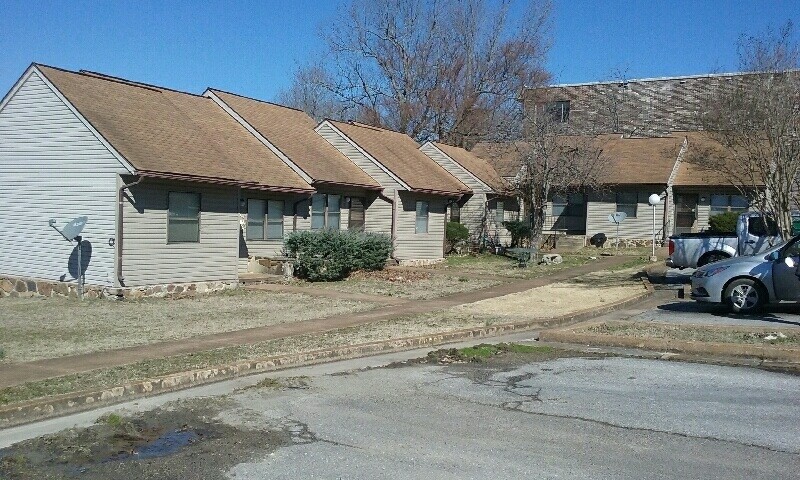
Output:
x=789 y=337
x=411 y=284
x=32 y=329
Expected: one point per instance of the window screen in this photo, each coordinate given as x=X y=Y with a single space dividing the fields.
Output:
x=275 y=219
x=627 y=202
x=255 y=219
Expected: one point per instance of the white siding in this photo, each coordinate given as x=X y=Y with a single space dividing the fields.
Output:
x=419 y=246
x=147 y=257
x=378 y=215
x=473 y=215
x=53 y=167
x=600 y=206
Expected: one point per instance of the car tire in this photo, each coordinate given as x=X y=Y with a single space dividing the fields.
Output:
x=744 y=296
x=711 y=258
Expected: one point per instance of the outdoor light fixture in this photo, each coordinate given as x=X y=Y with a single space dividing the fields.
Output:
x=654 y=200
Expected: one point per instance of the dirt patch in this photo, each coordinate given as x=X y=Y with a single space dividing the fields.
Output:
x=588 y=292
x=178 y=441
x=33 y=329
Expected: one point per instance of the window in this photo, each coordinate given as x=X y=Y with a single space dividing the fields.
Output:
x=455 y=213
x=183 y=219
x=728 y=203
x=762 y=227
x=265 y=213
x=558 y=111
x=559 y=206
x=499 y=213
x=357 y=213
x=255 y=219
x=325 y=211
x=627 y=202
x=275 y=219
x=422 y=217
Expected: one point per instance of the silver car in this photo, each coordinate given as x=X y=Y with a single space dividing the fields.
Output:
x=747 y=283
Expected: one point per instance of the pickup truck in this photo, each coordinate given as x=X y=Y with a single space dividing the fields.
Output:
x=690 y=250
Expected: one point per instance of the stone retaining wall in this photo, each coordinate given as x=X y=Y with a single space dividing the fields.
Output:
x=24 y=287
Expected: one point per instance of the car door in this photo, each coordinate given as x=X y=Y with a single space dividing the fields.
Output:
x=786 y=279
x=760 y=235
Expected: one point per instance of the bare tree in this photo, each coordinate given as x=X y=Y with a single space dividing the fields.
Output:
x=310 y=92
x=449 y=70
x=554 y=160
x=754 y=126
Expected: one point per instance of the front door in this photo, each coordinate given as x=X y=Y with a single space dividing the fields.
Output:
x=685 y=213
x=786 y=279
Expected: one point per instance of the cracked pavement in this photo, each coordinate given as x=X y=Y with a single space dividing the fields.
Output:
x=508 y=417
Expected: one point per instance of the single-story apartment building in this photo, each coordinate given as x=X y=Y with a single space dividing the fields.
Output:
x=490 y=204
x=184 y=191
x=343 y=192
x=416 y=190
x=158 y=173
x=636 y=168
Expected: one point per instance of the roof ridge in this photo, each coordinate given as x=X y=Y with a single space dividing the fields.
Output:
x=212 y=89
x=132 y=83
x=657 y=79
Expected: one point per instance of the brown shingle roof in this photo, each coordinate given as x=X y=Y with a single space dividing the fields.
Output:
x=631 y=160
x=639 y=160
x=475 y=165
x=690 y=173
x=292 y=132
x=401 y=155
x=165 y=132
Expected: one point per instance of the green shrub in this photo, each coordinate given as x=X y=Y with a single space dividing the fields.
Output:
x=723 y=222
x=326 y=255
x=455 y=234
x=519 y=231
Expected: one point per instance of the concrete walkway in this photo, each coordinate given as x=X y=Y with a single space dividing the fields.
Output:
x=14 y=374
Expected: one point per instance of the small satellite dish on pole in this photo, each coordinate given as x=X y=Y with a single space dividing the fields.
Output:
x=617 y=218
x=72 y=232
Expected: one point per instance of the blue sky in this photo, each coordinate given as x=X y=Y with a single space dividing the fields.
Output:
x=253 y=47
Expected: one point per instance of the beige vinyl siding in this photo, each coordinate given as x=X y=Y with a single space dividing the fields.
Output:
x=378 y=214
x=703 y=212
x=147 y=257
x=454 y=168
x=496 y=231
x=473 y=213
x=600 y=206
x=419 y=246
x=52 y=166
x=364 y=163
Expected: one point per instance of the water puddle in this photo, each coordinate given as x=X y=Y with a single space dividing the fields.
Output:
x=167 y=444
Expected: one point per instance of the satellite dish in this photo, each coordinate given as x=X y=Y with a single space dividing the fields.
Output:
x=617 y=217
x=74 y=227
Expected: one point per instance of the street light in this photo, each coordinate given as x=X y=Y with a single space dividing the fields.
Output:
x=654 y=200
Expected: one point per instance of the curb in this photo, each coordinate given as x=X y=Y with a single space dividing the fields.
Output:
x=64 y=404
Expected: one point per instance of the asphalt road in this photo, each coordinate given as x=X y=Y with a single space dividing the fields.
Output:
x=577 y=418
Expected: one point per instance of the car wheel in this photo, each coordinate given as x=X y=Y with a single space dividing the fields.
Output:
x=744 y=296
x=711 y=258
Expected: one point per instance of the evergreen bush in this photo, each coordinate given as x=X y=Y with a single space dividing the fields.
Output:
x=455 y=234
x=519 y=231
x=723 y=222
x=327 y=255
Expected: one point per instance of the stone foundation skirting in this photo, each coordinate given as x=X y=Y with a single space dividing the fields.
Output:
x=420 y=263
x=24 y=287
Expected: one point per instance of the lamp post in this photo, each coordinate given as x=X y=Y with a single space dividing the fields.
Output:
x=654 y=200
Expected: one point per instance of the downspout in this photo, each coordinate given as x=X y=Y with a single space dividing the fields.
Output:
x=120 y=226
x=393 y=203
